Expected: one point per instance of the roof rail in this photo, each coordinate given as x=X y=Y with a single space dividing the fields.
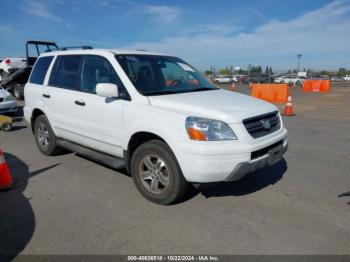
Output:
x=40 y=42
x=74 y=47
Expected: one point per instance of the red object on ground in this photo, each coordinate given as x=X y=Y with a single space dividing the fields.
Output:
x=288 y=110
x=6 y=181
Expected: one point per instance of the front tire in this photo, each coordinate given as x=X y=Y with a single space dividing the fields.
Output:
x=157 y=174
x=44 y=137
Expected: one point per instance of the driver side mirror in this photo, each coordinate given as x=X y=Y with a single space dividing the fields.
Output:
x=107 y=90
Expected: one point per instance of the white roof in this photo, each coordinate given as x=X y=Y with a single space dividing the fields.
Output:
x=102 y=51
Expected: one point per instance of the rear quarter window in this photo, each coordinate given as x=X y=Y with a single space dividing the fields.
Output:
x=40 y=70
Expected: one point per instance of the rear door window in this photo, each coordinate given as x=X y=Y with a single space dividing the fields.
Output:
x=40 y=70
x=66 y=72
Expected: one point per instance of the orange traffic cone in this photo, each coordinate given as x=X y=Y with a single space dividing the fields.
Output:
x=6 y=181
x=233 y=87
x=288 y=110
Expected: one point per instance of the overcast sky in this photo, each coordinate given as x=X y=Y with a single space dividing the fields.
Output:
x=202 y=32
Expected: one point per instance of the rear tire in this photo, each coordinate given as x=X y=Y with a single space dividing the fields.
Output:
x=44 y=137
x=18 y=91
x=157 y=174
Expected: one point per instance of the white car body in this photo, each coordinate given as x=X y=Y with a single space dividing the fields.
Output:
x=162 y=115
x=347 y=78
x=10 y=64
x=225 y=79
x=7 y=103
x=288 y=80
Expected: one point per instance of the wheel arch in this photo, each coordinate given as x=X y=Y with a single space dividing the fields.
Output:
x=36 y=112
x=136 y=140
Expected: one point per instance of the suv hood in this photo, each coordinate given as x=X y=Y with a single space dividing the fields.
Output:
x=227 y=106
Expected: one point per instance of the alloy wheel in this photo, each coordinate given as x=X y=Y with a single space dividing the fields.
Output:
x=43 y=135
x=154 y=174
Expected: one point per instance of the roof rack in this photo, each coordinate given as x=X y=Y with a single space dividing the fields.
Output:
x=41 y=42
x=75 y=47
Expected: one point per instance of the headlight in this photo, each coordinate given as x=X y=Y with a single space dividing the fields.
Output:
x=9 y=98
x=204 y=129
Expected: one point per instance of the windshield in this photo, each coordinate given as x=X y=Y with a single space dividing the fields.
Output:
x=159 y=75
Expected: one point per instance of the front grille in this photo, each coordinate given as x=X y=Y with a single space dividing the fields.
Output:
x=255 y=125
x=264 y=151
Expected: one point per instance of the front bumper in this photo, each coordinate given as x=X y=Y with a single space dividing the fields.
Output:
x=8 y=107
x=245 y=168
x=224 y=161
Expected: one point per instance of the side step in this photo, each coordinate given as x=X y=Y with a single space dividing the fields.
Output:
x=108 y=160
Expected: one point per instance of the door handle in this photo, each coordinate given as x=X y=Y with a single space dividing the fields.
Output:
x=79 y=103
x=46 y=96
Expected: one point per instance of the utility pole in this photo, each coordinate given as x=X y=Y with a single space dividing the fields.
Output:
x=299 y=56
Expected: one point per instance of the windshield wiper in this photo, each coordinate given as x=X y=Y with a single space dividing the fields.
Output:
x=160 y=92
x=202 y=89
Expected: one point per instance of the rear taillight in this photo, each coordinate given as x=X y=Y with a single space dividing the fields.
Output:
x=8 y=61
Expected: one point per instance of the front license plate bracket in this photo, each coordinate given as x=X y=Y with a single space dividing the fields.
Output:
x=275 y=155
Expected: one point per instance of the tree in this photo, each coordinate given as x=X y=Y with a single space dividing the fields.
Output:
x=207 y=72
x=255 y=69
x=270 y=71
x=267 y=71
x=224 y=71
x=342 y=71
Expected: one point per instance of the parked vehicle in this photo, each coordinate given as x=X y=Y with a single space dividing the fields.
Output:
x=10 y=65
x=336 y=79
x=8 y=103
x=346 y=78
x=226 y=79
x=5 y=123
x=15 y=79
x=289 y=80
x=153 y=114
x=257 y=79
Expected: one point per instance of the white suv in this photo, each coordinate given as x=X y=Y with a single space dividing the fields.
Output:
x=153 y=114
